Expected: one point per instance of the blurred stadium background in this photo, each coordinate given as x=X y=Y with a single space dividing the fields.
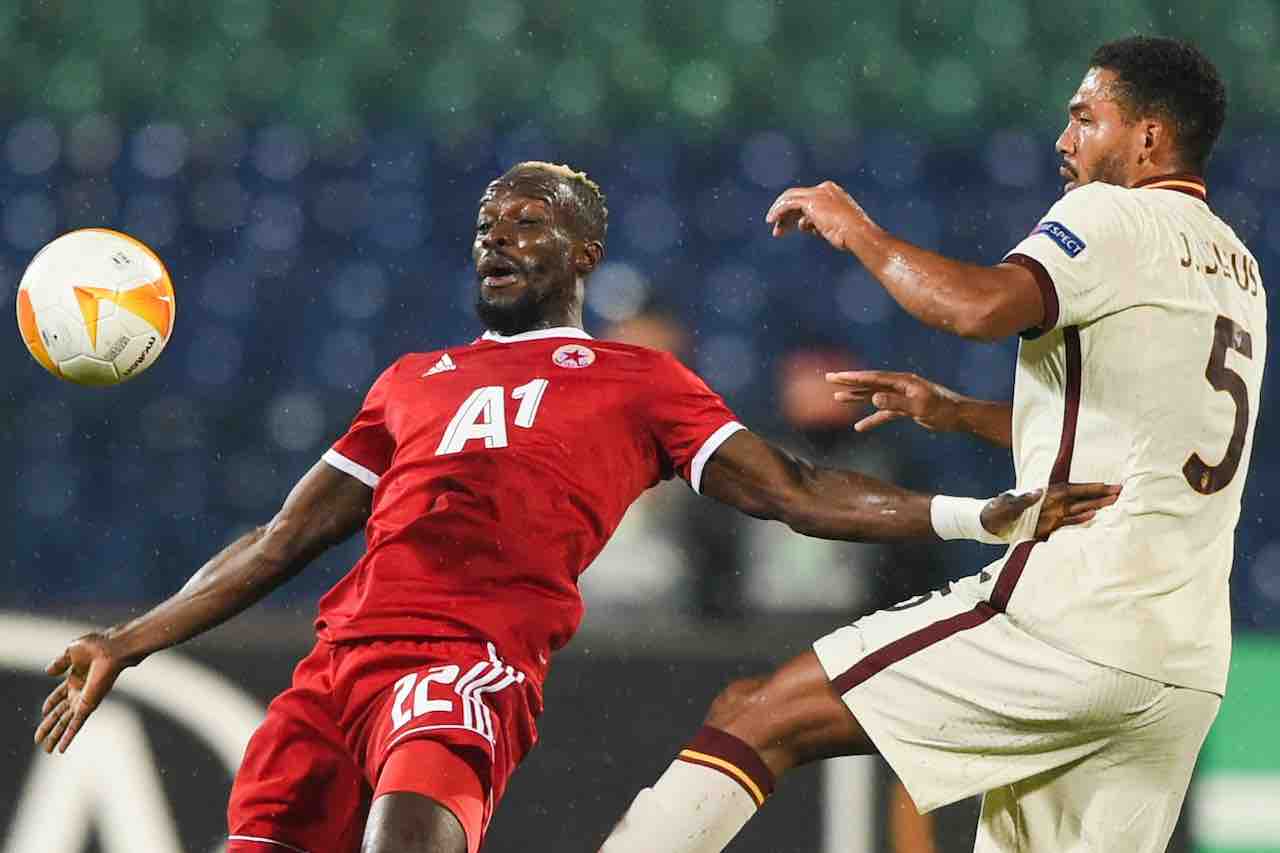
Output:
x=309 y=172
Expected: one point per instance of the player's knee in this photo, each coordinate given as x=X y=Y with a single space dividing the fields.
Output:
x=735 y=702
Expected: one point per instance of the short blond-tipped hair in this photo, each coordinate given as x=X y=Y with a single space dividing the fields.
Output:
x=585 y=198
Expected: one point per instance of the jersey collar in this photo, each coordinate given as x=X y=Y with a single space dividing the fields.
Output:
x=537 y=335
x=1183 y=182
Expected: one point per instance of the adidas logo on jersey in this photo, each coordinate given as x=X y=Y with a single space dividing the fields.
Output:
x=445 y=363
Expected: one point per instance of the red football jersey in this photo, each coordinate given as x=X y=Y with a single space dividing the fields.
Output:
x=499 y=470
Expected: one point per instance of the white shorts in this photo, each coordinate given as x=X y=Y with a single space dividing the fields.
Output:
x=1071 y=755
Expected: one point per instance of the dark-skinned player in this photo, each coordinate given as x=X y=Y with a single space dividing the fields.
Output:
x=486 y=478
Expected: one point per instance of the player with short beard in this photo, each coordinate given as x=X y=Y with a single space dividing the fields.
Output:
x=486 y=478
x=1074 y=680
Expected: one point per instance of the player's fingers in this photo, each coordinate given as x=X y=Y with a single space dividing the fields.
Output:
x=56 y=731
x=1078 y=507
x=1091 y=490
x=1077 y=519
x=886 y=400
x=885 y=379
x=59 y=693
x=790 y=200
x=781 y=208
x=59 y=664
x=872 y=421
x=785 y=224
x=51 y=717
x=77 y=719
x=852 y=396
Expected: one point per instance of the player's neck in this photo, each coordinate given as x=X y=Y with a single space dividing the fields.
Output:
x=565 y=311
x=1147 y=172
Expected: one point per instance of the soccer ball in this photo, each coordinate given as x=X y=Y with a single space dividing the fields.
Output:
x=95 y=307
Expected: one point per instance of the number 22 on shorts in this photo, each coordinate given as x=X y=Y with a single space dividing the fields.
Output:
x=443 y=697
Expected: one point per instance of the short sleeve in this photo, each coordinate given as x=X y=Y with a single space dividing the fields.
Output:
x=365 y=450
x=1080 y=255
x=688 y=419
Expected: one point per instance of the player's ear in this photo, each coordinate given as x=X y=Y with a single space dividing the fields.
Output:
x=1154 y=135
x=589 y=257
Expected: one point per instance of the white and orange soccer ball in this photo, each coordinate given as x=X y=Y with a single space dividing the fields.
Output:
x=95 y=307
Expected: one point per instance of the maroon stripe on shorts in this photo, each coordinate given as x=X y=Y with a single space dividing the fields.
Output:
x=904 y=647
x=1010 y=573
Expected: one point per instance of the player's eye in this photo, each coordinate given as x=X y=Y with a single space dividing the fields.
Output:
x=529 y=220
x=482 y=227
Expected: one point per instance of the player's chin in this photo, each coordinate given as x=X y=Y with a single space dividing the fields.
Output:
x=502 y=296
x=507 y=310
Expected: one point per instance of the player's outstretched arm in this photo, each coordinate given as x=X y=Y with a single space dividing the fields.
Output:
x=932 y=406
x=765 y=481
x=972 y=301
x=324 y=508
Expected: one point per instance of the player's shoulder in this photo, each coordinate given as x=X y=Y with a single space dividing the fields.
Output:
x=631 y=355
x=1102 y=210
x=409 y=361
x=1097 y=198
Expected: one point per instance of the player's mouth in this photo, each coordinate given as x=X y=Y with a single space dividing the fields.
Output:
x=497 y=272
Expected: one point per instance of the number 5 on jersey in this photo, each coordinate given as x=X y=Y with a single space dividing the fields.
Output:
x=483 y=416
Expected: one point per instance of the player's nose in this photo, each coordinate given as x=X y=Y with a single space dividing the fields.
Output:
x=497 y=235
x=1064 y=144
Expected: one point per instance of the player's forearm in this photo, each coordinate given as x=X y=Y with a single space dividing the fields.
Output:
x=834 y=504
x=946 y=294
x=992 y=422
x=236 y=577
x=766 y=481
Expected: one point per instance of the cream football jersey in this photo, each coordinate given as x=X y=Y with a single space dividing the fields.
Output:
x=1146 y=373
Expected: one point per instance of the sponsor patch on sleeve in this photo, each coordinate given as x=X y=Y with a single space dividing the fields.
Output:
x=1062 y=235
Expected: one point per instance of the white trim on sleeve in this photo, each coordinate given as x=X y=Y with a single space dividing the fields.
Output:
x=709 y=447
x=355 y=469
x=265 y=841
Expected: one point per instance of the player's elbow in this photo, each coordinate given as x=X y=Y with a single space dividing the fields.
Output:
x=800 y=509
x=286 y=539
x=986 y=319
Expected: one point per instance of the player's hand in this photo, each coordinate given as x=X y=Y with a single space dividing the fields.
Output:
x=1064 y=504
x=898 y=395
x=88 y=669
x=826 y=210
x=1073 y=503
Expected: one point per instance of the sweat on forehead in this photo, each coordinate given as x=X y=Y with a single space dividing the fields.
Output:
x=569 y=191
x=534 y=184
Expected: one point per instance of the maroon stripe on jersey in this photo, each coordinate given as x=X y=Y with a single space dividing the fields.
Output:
x=1048 y=293
x=1180 y=182
x=1009 y=575
x=717 y=743
x=1061 y=472
x=903 y=647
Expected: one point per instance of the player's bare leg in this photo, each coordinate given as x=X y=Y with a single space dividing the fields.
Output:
x=404 y=822
x=429 y=799
x=757 y=729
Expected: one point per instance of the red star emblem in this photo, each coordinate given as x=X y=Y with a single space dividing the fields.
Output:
x=573 y=355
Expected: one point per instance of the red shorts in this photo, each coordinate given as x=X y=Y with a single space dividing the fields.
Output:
x=313 y=767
